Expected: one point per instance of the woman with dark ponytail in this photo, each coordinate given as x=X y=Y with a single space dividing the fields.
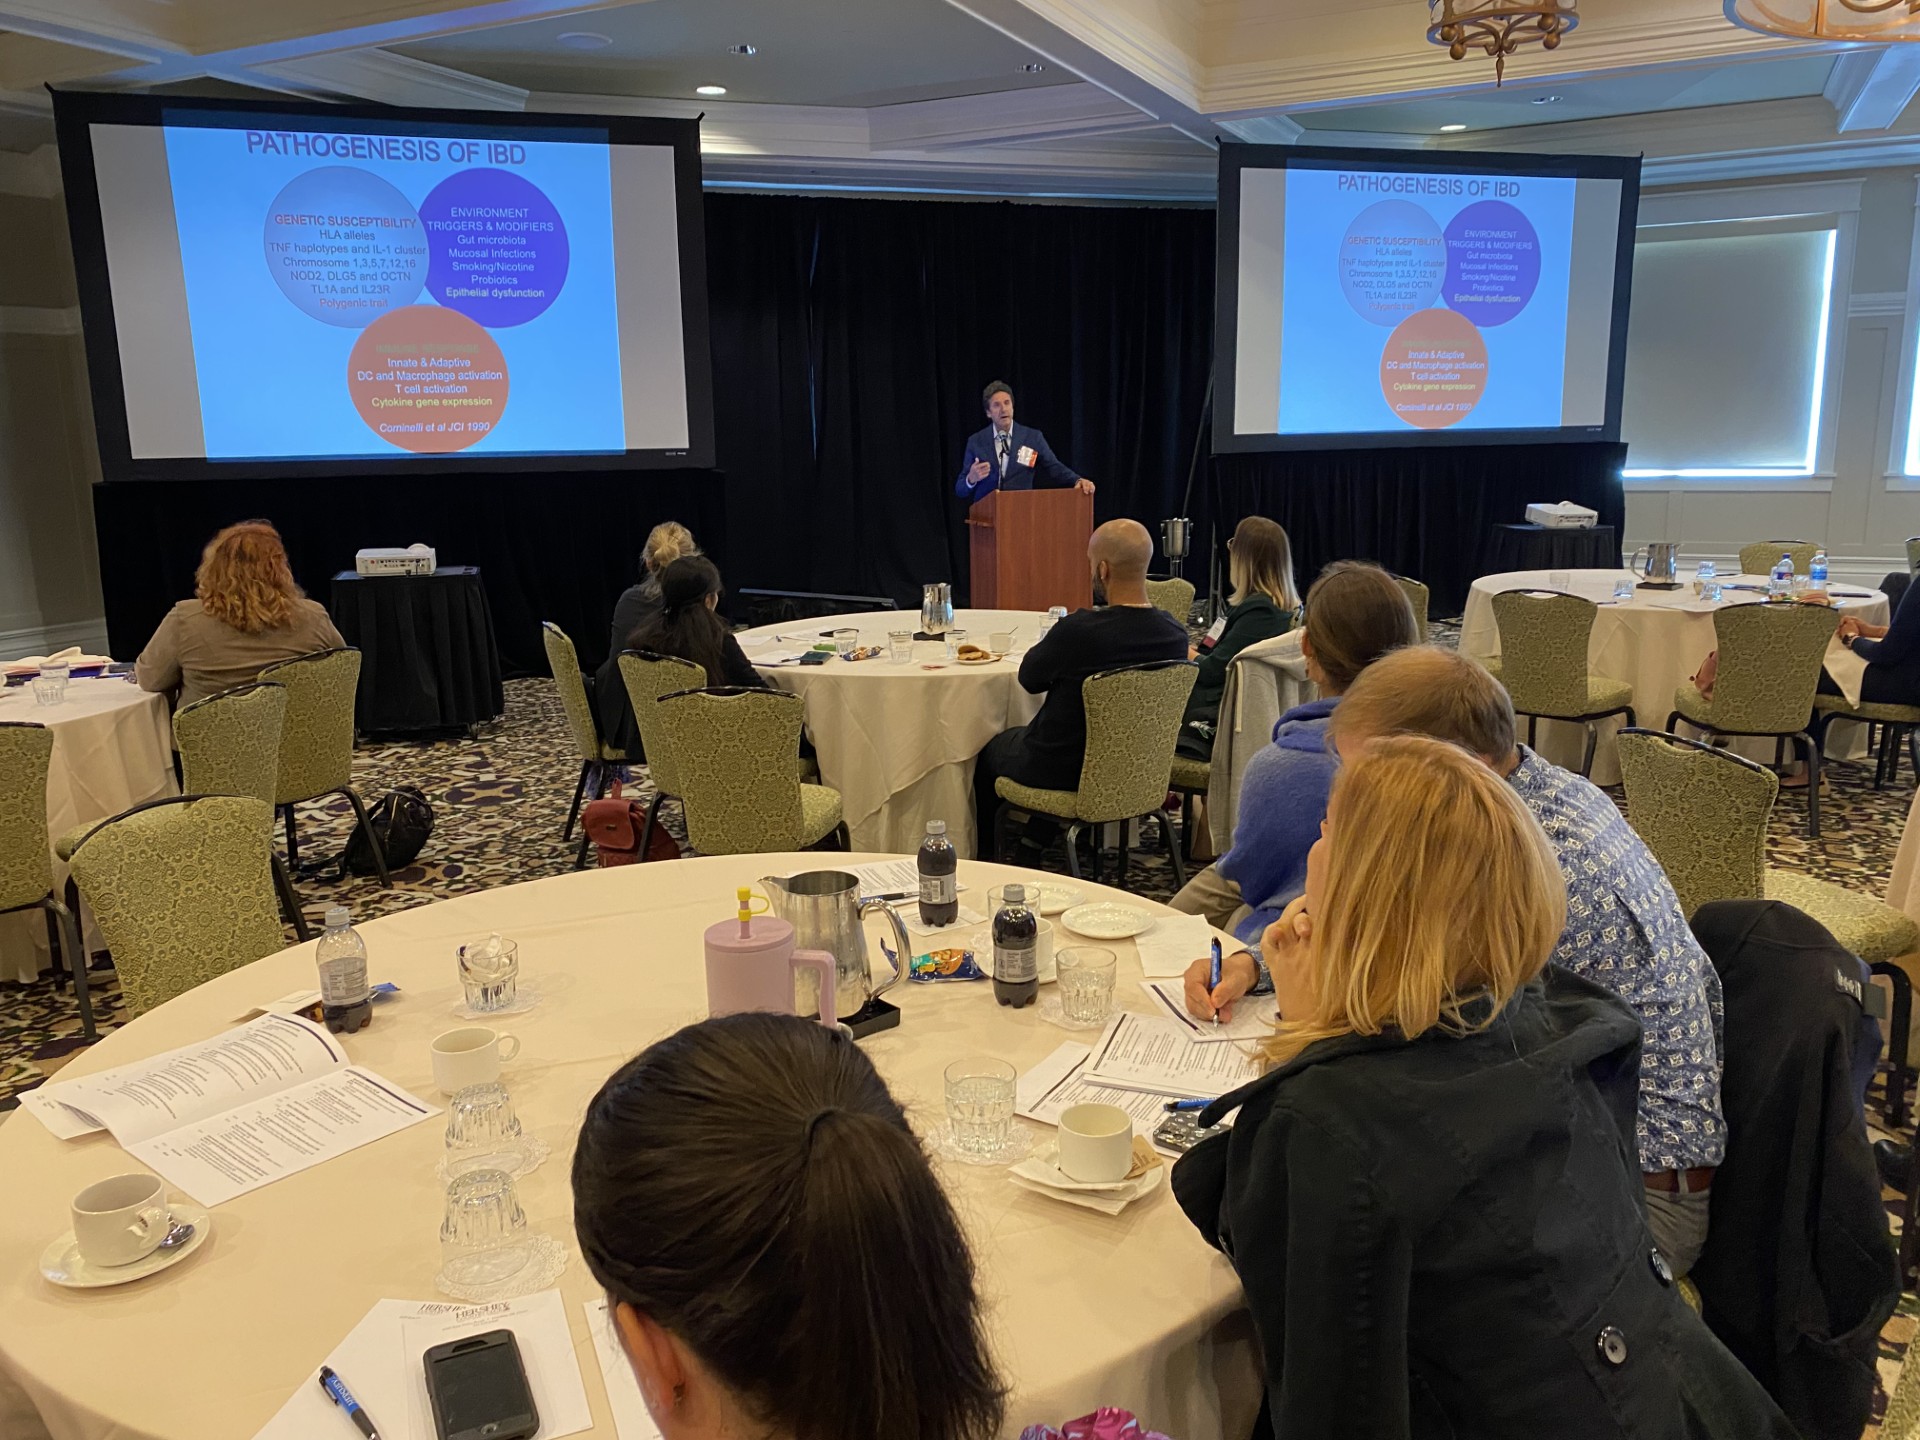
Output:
x=777 y=1255
x=687 y=625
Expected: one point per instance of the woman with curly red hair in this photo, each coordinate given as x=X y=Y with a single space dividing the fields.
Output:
x=246 y=613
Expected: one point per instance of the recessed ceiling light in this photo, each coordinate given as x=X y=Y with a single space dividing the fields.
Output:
x=1546 y=99
x=1450 y=129
x=584 y=40
x=709 y=89
x=1033 y=67
x=747 y=50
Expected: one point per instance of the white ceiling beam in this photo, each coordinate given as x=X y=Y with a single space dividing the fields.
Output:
x=388 y=79
x=118 y=29
x=1871 y=87
x=1265 y=129
x=1051 y=113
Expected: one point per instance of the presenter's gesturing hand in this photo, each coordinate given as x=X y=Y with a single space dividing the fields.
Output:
x=1083 y=485
x=980 y=471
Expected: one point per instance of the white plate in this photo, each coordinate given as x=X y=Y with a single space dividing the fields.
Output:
x=982 y=947
x=1055 y=898
x=62 y=1263
x=1107 y=921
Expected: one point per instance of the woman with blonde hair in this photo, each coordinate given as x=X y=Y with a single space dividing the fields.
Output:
x=1264 y=603
x=246 y=613
x=1432 y=1198
x=638 y=603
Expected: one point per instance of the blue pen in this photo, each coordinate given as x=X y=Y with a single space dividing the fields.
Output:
x=338 y=1393
x=1181 y=1107
x=1213 y=982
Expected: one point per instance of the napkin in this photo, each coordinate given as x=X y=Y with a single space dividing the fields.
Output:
x=1846 y=668
x=1174 y=942
x=72 y=655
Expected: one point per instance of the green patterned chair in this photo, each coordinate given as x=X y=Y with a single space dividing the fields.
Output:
x=1543 y=664
x=316 y=740
x=182 y=889
x=1133 y=721
x=648 y=677
x=1703 y=812
x=1190 y=779
x=733 y=760
x=1418 y=596
x=1899 y=723
x=1175 y=596
x=1913 y=554
x=597 y=757
x=1760 y=557
x=26 y=863
x=1769 y=668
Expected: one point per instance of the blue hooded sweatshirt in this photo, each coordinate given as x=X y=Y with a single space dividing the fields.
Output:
x=1283 y=799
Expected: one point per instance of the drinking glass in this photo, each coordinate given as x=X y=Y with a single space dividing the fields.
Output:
x=1623 y=587
x=979 y=1106
x=50 y=685
x=483 y=1235
x=1086 y=983
x=900 y=646
x=490 y=971
x=846 y=641
x=1560 y=580
x=955 y=638
x=483 y=1133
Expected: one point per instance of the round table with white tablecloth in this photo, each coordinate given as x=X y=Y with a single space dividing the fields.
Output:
x=112 y=750
x=898 y=741
x=1083 y=1309
x=1653 y=642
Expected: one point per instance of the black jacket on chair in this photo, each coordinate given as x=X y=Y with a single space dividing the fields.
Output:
x=1445 y=1239
x=1799 y=1271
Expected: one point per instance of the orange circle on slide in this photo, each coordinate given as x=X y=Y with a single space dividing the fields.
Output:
x=1434 y=370
x=428 y=379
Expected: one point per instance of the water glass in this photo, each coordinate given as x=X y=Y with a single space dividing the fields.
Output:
x=955 y=638
x=50 y=685
x=1623 y=587
x=490 y=971
x=483 y=1133
x=846 y=642
x=900 y=646
x=979 y=1106
x=1560 y=580
x=483 y=1235
x=1086 y=984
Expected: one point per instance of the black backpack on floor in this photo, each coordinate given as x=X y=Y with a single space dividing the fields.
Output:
x=403 y=819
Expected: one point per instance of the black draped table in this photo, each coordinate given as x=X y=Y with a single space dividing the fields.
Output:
x=1542 y=547
x=427 y=656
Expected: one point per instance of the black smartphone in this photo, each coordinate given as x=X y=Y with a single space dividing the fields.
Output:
x=479 y=1389
x=1181 y=1131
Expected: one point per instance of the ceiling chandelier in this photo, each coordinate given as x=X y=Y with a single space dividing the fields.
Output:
x=1860 y=20
x=1500 y=27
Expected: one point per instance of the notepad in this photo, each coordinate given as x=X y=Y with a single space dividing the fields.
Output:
x=1174 y=943
x=1060 y=1082
x=1253 y=1015
x=1157 y=1053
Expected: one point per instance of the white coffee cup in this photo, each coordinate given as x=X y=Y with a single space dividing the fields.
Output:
x=1096 y=1143
x=121 y=1220
x=470 y=1056
x=1001 y=641
x=1043 y=967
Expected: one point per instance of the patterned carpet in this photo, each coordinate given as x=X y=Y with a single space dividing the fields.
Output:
x=500 y=799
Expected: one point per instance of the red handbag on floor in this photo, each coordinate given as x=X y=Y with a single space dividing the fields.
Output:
x=614 y=825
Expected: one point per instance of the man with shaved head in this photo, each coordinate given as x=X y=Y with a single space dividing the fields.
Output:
x=1122 y=629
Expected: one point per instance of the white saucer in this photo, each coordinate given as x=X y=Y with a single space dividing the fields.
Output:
x=1055 y=898
x=62 y=1263
x=1107 y=921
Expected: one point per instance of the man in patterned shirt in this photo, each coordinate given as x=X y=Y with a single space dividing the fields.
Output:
x=1625 y=929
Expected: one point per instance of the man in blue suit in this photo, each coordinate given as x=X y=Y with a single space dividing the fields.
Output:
x=1006 y=456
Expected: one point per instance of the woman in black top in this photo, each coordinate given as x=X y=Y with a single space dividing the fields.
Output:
x=1892 y=653
x=1264 y=604
x=687 y=627
x=666 y=543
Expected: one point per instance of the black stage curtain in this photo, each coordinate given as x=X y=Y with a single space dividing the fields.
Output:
x=1425 y=512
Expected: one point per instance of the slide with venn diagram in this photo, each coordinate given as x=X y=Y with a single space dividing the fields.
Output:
x=1423 y=301
x=355 y=294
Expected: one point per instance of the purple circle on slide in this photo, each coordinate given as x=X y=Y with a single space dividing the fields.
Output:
x=1392 y=261
x=1493 y=262
x=499 y=246
x=345 y=246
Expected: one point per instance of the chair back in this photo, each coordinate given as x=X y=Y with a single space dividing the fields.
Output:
x=316 y=737
x=1760 y=557
x=182 y=890
x=1417 y=596
x=1264 y=681
x=1175 y=596
x=26 y=865
x=564 y=660
x=1770 y=657
x=229 y=743
x=1133 y=721
x=1543 y=650
x=1913 y=568
x=733 y=756
x=1702 y=811
x=647 y=677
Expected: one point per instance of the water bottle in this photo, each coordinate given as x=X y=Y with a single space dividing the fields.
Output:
x=1817 y=572
x=1780 y=582
x=1016 y=950
x=939 y=864
x=345 y=1003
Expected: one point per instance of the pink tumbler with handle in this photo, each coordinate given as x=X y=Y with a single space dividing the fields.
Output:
x=751 y=965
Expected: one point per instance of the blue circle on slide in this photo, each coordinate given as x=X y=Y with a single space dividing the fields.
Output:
x=345 y=246
x=500 y=250
x=1393 y=259
x=1493 y=262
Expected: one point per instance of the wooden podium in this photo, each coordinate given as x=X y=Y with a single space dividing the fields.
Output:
x=1030 y=550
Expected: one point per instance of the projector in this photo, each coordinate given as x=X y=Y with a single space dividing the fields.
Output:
x=1562 y=515
x=414 y=560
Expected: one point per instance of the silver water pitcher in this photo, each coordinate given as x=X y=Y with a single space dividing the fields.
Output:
x=1661 y=564
x=936 y=608
x=825 y=909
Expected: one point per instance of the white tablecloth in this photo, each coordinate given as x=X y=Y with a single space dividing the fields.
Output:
x=1084 y=1309
x=898 y=741
x=1654 y=642
x=112 y=749
x=1903 y=888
